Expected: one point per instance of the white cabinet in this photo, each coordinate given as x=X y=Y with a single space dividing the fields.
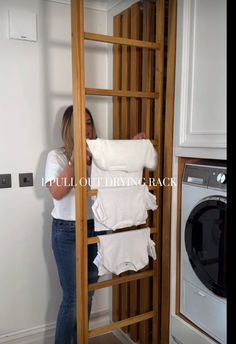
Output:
x=200 y=90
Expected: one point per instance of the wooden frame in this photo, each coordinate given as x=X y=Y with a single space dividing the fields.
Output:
x=167 y=171
x=160 y=320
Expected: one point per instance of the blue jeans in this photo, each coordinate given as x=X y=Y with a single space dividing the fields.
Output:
x=63 y=245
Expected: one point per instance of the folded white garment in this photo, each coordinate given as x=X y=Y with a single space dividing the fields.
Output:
x=123 y=155
x=120 y=252
x=120 y=207
x=100 y=178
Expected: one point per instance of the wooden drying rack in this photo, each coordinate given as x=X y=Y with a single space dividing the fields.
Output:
x=82 y=241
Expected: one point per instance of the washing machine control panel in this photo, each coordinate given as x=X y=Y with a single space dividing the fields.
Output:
x=212 y=177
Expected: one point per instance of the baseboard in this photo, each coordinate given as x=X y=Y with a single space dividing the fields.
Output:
x=98 y=319
x=123 y=338
x=38 y=335
x=45 y=334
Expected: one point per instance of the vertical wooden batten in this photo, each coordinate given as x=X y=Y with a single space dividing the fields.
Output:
x=134 y=124
x=148 y=34
x=167 y=171
x=125 y=129
x=77 y=21
x=117 y=79
x=158 y=135
x=135 y=69
x=116 y=134
x=125 y=80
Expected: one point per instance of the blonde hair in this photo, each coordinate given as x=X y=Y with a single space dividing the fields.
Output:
x=67 y=130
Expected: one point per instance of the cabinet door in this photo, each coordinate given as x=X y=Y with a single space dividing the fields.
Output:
x=200 y=94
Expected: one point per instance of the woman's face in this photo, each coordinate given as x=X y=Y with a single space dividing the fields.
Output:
x=89 y=127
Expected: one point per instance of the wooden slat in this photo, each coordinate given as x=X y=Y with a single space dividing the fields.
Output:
x=135 y=124
x=167 y=171
x=125 y=85
x=147 y=85
x=117 y=80
x=135 y=69
x=120 y=40
x=119 y=93
x=95 y=239
x=116 y=134
x=77 y=28
x=125 y=77
x=158 y=132
x=120 y=324
x=120 y=280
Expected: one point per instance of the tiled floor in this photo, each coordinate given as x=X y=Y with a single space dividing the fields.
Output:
x=108 y=338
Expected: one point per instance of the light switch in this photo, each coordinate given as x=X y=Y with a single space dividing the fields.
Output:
x=25 y=179
x=5 y=181
x=22 y=25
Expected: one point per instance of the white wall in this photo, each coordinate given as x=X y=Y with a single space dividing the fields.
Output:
x=35 y=88
x=96 y=71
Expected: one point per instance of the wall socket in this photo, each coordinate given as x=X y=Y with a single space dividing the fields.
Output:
x=5 y=181
x=25 y=179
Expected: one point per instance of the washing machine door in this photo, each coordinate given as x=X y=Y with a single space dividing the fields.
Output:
x=205 y=242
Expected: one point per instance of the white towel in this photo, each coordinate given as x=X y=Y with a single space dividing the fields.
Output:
x=120 y=252
x=121 y=207
x=123 y=155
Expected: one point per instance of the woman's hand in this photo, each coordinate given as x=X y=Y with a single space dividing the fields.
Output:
x=140 y=136
x=88 y=157
x=72 y=158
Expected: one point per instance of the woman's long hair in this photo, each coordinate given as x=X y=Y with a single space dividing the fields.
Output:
x=67 y=130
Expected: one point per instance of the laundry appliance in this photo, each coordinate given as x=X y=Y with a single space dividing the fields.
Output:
x=203 y=294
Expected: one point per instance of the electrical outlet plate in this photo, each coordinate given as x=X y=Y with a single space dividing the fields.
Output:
x=5 y=181
x=25 y=179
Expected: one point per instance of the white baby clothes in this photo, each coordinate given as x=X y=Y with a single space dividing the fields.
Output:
x=101 y=178
x=123 y=155
x=121 y=207
x=120 y=252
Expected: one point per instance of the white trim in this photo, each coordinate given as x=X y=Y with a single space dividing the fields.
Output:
x=66 y=2
x=186 y=333
x=38 y=335
x=186 y=69
x=44 y=334
x=201 y=152
x=123 y=338
x=100 y=318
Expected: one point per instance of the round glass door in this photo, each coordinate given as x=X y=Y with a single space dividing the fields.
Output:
x=205 y=242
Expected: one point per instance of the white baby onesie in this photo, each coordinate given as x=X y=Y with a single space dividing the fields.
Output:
x=120 y=252
x=101 y=178
x=123 y=155
x=121 y=207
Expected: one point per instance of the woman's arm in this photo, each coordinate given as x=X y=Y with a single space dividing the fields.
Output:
x=63 y=183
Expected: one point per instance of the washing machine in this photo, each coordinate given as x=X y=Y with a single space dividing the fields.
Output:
x=203 y=293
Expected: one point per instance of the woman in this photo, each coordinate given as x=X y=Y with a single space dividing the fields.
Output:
x=59 y=173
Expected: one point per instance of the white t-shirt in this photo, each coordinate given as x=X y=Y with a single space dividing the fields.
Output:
x=64 y=208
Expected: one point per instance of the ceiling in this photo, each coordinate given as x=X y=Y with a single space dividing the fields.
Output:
x=104 y=5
